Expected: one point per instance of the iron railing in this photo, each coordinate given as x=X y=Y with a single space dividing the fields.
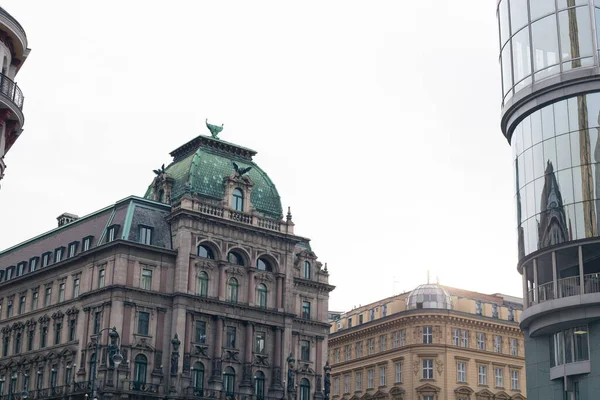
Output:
x=568 y=287
x=201 y=393
x=546 y=292
x=592 y=283
x=143 y=387
x=11 y=91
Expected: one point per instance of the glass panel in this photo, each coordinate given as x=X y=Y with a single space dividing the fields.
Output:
x=503 y=17
x=536 y=127
x=528 y=165
x=518 y=14
x=550 y=154
x=545 y=43
x=521 y=51
x=593 y=110
x=575 y=20
x=539 y=163
x=538 y=76
x=526 y=125
x=517 y=139
x=539 y=8
x=569 y=3
x=581 y=344
x=506 y=69
x=597 y=12
x=579 y=222
x=563 y=152
x=575 y=149
x=582 y=62
x=547 y=122
x=561 y=117
x=532 y=225
x=539 y=188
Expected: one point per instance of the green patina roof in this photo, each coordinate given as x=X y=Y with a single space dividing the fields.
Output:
x=205 y=170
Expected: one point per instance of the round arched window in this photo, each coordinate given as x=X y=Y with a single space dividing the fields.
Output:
x=202 y=284
x=235 y=258
x=304 y=389
x=205 y=252
x=229 y=381
x=261 y=295
x=306 y=270
x=259 y=385
x=198 y=378
x=141 y=367
x=233 y=289
x=263 y=265
x=238 y=200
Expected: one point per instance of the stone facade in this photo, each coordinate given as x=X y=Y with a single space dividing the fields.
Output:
x=205 y=304
x=388 y=350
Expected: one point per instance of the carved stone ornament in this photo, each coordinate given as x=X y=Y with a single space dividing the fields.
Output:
x=92 y=343
x=416 y=367
x=6 y=329
x=306 y=369
x=231 y=355
x=440 y=366
x=72 y=311
x=44 y=319
x=143 y=343
x=203 y=264
x=262 y=276
x=233 y=270
x=261 y=360
x=31 y=323
x=200 y=350
x=58 y=315
x=18 y=326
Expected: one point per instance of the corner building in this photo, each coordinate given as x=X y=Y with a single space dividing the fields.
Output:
x=551 y=118
x=434 y=343
x=211 y=292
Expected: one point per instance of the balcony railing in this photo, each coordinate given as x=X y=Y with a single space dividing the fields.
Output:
x=546 y=292
x=223 y=395
x=11 y=91
x=144 y=387
x=267 y=223
x=591 y=283
x=568 y=287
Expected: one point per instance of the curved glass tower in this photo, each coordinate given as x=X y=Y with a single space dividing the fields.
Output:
x=549 y=55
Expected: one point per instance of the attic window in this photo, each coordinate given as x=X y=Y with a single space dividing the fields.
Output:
x=238 y=200
x=111 y=233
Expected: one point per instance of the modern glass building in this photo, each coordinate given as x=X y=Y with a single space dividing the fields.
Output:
x=549 y=55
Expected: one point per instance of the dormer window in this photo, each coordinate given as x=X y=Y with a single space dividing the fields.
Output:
x=263 y=265
x=58 y=255
x=10 y=273
x=111 y=233
x=33 y=264
x=306 y=270
x=73 y=249
x=238 y=200
x=21 y=268
x=87 y=243
x=205 y=252
x=145 y=235
x=46 y=259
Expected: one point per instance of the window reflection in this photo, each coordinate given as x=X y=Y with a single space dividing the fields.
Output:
x=503 y=17
x=521 y=60
x=518 y=14
x=540 y=8
x=545 y=43
x=575 y=46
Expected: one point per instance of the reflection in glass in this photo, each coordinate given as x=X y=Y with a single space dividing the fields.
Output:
x=575 y=20
x=561 y=117
x=550 y=152
x=553 y=227
x=538 y=160
x=563 y=152
x=539 y=8
x=521 y=60
x=503 y=17
x=547 y=122
x=518 y=14
x=545 y=43
x=506 y=69
x=536 y=126
x=569 y=3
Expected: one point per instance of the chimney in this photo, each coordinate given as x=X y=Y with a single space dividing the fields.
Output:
x=66 y=218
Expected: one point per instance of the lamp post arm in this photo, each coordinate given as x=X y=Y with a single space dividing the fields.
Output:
x=95 y=374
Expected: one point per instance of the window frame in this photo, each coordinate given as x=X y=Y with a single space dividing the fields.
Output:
x=237 y=200
x=145 y=234
x=86 y=243
x=427 y=334
x=482 y=375
x=461 y=373
x=145 y=279
x=427 y=369
x=143 y=324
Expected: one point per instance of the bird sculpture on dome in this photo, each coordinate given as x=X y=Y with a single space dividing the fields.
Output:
x=159 y=171
x=240 y=171
x=214 y=129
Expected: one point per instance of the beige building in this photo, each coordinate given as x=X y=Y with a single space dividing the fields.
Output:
x=434 y=343
x=210 y=292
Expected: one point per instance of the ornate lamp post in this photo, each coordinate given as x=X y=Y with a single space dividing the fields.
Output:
x=117 y=358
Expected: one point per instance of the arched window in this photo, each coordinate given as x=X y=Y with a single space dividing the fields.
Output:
x=141 y=367
x=304 y=389
x=238 y=200
x=198 y=378
x=263 y=265
x=306 y=270
x=161 y=196
x=18 y=343
x=259 y=385
x=235 y=258
x=202 y=284
x=261 y=295
x=92 y=368
x=229 y=381
x=233 y=290
x=205 y=252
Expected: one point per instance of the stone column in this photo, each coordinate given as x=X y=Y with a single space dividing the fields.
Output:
x=280 y=292
x=276 y=389
x=216 y=378
x=251 y=291
x=246 y=384
x=222 y=278
x=319 y=368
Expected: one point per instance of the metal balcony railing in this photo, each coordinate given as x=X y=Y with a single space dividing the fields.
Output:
x=11 y=91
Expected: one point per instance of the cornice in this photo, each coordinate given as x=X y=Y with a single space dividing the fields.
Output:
x=320 y=286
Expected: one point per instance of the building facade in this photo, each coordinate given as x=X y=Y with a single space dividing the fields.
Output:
x=209 y=290
x=551 y=118
x=434 y=343
x=13 y=52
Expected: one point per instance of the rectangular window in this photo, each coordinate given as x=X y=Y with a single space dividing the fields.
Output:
x=61 y=292
x=33 y=263
x=382 y=373
x=231 y=333
x=9 y=273
x=43 y=337
x=111 y=234
x=358 y=349
x=382 y=343
x=101 y=276
x=72 y=249
x=6 y=344
x=348 y=352
x=145 y=235
x=478 y=308
x=68 y=375
x=384 y=310
x=336 y=386
x=75 y=288
x=72 y=329
x=200 y=332
x=146 y=279
x=499 y=377
x=398 y=372
x=482 y=375
x=396 y=340
x=58 y=254
x=53 y=376
x=511 y=314
x=494 y=310
x=47 y=296
x=498 y=344
x=427 y=335
x=371 y=344
x=259 y=343
x=461 y=371
x=336 y=355
x=349 y=322
x=455 y=336
x=305 y=350
x=464 y=342
x=97 y=321
x=306 y=309
x=514 y=380
x=358 y=382
x=21 y=268
x=514 y=347
x=143 y=323
x=371 y=314
x=40 y=379
x=57 y=329
x=22 y=305
x=45 y=259
x=360 y=319
x=403 y=337
x=481 y=340
x=9 y=309
x=30 y=340
x=346 y=384
x=87 y=243
x=427 y=369
x=370 y=374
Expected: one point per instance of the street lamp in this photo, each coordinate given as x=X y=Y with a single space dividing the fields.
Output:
x=117 y=358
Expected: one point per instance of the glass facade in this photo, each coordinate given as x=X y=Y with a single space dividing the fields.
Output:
x=542 y=38
x=429 y=296
x=556 y=155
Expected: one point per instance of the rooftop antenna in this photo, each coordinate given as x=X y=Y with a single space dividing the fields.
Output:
x=437 y=278
x=428 y=277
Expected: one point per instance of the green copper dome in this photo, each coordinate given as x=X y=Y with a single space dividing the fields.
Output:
x=202 y=164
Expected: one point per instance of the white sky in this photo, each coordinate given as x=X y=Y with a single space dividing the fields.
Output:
x=377 y=121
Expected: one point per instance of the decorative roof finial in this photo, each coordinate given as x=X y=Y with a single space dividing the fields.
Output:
x=240 y=171
x=325 y=269
x=214 y=129
x=289 y=215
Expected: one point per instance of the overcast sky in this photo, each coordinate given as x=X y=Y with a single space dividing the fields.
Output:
x=377 y=121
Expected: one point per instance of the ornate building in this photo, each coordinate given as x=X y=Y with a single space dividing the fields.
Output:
x=434 y=343
x=210 y=292
x=13 y=52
